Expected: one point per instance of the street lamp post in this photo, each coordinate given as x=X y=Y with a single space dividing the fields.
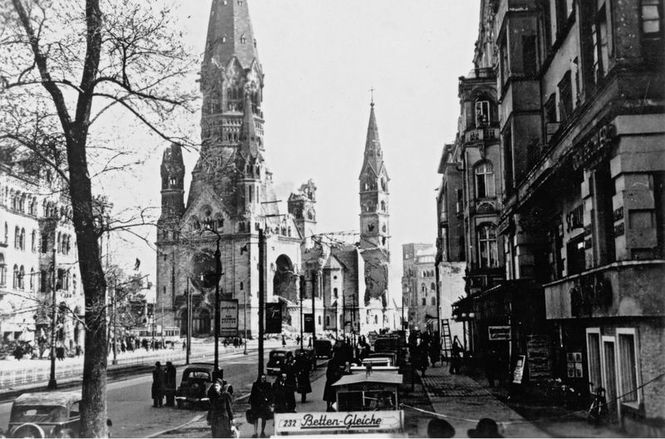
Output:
x=188 y=350
x=302 y=296
x=244 y=312
x=218 y=274
x=262 y=267
x=314 y=286
x=52 y=384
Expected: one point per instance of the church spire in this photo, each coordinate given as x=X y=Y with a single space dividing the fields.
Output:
x=230 y=34
x=373 y=154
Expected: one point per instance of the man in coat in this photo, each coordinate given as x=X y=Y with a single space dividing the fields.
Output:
x=279 y=394
x=260 y=400
x=303 y=366
x=157 y=390
x=170 y=384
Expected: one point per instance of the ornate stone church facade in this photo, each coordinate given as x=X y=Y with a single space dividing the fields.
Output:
x=231 y=196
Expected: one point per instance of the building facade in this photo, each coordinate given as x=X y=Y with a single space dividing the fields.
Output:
x=37 y=254
x=579 y=87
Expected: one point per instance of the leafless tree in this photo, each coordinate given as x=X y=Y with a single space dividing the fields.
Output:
x=65 y=66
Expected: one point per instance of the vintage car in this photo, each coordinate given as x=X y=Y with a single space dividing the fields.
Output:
x=276 y=359
x=323 y=348
x=46 y=414
x=196 y=381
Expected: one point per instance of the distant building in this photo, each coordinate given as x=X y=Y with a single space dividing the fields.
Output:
x=37 y=253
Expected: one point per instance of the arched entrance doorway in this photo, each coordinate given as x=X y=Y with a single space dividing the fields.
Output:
x=201 y=322
x=284 y=282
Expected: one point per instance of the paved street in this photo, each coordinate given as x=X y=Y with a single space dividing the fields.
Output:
x=130 y=407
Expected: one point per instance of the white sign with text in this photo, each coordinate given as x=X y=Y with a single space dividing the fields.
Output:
x=349 y=422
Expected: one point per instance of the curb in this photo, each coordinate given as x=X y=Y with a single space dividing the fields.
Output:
x=163 y=432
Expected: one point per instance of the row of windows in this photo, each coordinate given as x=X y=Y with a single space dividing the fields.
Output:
x=432 y=301
x=41 y=280
x=24 y=203
x=63 y=242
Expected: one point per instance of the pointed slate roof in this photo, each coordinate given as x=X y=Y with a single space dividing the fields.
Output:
x=230 y=34
x=373 y=154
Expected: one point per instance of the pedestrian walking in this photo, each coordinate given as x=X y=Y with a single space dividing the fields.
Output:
x=456 y=356
x=279 y=394
x=303 y=366
x=434 y=350
x=283 y=341
x=492 y=363
x=333 y=374
x=220 y=413
x=289 y=368
x=421 y=356
x=260 y=403
x=157 y=390
x=170 y=384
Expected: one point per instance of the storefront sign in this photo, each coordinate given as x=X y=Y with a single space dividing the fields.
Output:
x=344 y=422
x=228 y=318
x=518 y=373
x=273 y=318
x=538 y=356
x=496 y=333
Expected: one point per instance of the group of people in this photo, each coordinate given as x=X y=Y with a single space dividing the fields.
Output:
x=266 y=399
x=163 y=385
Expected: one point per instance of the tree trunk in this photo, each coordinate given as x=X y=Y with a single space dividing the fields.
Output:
x=93 y=409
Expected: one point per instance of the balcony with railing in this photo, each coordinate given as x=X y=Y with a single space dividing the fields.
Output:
x=482 y=134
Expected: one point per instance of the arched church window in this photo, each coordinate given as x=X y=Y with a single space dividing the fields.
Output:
x=242 y=286
x=370 y=227
x=383 y=228
x=376 y=319
x=383 y=241
x=310 y=215
x=328 y=321
x=243 y=40
x=433 y=301
x=383 y=206
x=383 y=184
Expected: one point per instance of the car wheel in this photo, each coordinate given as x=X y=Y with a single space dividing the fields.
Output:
x=29 y=430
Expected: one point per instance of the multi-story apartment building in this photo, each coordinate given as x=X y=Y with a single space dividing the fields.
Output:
x=580 y=88
x=419 y=286
x=37 y=253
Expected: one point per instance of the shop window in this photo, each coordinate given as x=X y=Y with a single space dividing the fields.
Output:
x=628 y=365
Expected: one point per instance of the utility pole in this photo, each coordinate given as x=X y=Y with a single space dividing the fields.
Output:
x=262 y=267
x=188 y=296
x=314 y=286
x=302 y=297
x=114 y=310
x=52 y=384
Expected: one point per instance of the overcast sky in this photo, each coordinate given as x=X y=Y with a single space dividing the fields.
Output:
x=320 y=59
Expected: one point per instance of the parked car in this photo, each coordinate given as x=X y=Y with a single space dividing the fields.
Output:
x=196 y=381
x=46 y=414
x=276 y=359
x=323 y=348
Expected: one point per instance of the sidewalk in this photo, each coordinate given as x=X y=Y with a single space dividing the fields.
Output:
x=462 y=401
x=22 y=375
